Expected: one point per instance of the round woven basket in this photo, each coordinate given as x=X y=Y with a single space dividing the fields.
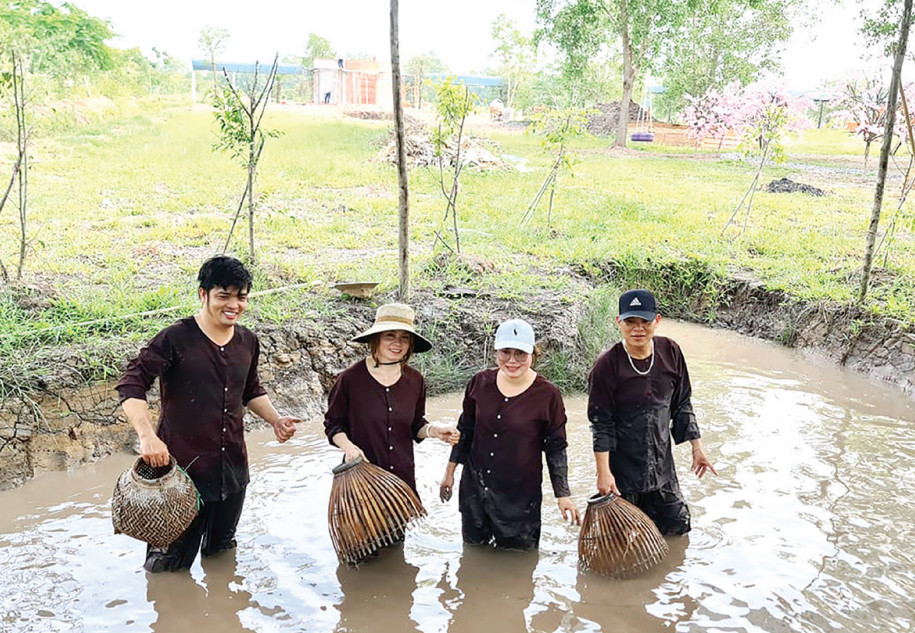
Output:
x=618 y=539
x=154 y=504
x=369 y=508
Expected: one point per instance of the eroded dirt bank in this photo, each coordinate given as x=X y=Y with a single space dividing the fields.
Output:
x=65 y=423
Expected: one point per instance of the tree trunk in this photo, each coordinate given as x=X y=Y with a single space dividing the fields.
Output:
x=885 y=149
x=252 y=165
x=622 y=126
x=22 y=150
x=403 y=253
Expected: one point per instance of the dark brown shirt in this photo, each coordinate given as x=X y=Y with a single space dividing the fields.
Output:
x=380 y=420
x=502 y=439
x=204 y=388
x=633 y=417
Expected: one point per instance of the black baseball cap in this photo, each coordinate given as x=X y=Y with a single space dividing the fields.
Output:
x=638 y=303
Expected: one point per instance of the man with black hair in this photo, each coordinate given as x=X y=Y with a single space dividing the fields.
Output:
x=639 y=397
x=207 y=370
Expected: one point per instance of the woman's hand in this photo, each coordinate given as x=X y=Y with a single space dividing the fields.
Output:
x=568 y=510
x=444 y=491
x=445 y=432
x=351 y=452
x=701 y=463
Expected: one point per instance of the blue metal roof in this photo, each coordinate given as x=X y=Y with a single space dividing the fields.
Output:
x=468 y=80
x=281 y=69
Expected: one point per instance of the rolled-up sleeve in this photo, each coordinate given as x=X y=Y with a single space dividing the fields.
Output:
x=600 y=406
x=466 y=425
x=683 y=424
x=419 y=417
x=554 y=447
x=152 y=361
x=336 y=419
x=253 y=387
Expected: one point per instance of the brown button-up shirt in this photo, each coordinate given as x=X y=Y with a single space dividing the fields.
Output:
x=380 y=420
x=204 y=388
x=634 y=417
x=502 y=439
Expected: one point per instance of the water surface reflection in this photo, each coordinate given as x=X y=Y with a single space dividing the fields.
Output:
x=807 y=528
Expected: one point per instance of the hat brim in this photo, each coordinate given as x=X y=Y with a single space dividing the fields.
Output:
x=648 y=316
x=420 y=343
x=527 y=348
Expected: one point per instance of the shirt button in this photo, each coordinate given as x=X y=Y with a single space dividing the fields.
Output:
x=495 y=435
x=485 y=487
x=223 y=448
x=225 y=389
x=392 y=468
x=488 y=471
x=499 y=416
x=225 y=410
x=390 y=448
x=390 y=408
x=387 y=388
x=223 y=429
x=222 y=349
x=506 y=400
x=491 y=454
x=389 y=428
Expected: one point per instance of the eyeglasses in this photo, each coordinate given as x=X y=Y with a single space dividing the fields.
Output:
x=506 y=355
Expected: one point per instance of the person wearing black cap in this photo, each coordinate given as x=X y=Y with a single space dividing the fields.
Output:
x=638 y=399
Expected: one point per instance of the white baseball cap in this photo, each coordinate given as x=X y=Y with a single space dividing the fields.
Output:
x=515 y=334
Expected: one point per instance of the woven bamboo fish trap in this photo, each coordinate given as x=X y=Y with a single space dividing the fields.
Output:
x=154 y=504
x=369 y=508
x=618 y=539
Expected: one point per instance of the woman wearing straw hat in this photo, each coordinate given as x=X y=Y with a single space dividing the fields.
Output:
x=510 y=414
x=377 y=406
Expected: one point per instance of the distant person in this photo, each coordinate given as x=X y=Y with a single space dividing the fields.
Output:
x=207 y=370
x=510 y=417
x=377 y=407
x=638 y=399
x=326 y=98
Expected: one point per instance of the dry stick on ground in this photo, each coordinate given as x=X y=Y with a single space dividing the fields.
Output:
x=907 y=183
x=22 y=147
x=451 y=197
x=547 y=182
x=885 y=150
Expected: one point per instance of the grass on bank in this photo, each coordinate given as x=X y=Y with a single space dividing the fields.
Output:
x=123 y=213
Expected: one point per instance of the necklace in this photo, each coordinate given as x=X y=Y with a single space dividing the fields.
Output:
x=632 y=364
x=395 y=362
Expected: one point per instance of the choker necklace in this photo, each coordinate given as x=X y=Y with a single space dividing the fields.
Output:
x=396 y=362
x=632 y=364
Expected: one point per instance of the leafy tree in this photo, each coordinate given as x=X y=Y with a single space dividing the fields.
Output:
x=516 y=58
x=317 y=47
x=722 y=42
x=239 y=111
x=418 y=67
x=556 y=127
x=453 y=103
x=212 y=42
x=40 y=37
x=580 y=28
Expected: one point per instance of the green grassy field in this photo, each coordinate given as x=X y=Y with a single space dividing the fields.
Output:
x=123 y=212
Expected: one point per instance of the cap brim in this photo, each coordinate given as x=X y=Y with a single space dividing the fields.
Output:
x=524 y=347
x=420 y=343
x=648 y=316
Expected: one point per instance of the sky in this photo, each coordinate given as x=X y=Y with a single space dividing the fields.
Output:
x=458 y=32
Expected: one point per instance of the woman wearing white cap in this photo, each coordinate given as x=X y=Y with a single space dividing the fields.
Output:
x=377 y=406
x=510 y=415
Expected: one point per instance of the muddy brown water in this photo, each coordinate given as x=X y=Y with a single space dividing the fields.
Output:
x=809 y=527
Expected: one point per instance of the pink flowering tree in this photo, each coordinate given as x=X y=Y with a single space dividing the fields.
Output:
x=714 y=114
x=765 y=115
x=864 y=102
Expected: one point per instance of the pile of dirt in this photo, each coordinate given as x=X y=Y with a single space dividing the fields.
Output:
x=604 y=121
x=786 y=185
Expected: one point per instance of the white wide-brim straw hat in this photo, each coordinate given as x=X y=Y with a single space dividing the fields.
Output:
x=396 y=316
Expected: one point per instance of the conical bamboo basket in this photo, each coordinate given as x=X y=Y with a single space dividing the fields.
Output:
x=617 y=539
x=154 y=504
x=369 y=508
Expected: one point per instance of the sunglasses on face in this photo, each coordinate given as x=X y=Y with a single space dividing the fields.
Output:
x=512 y=354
